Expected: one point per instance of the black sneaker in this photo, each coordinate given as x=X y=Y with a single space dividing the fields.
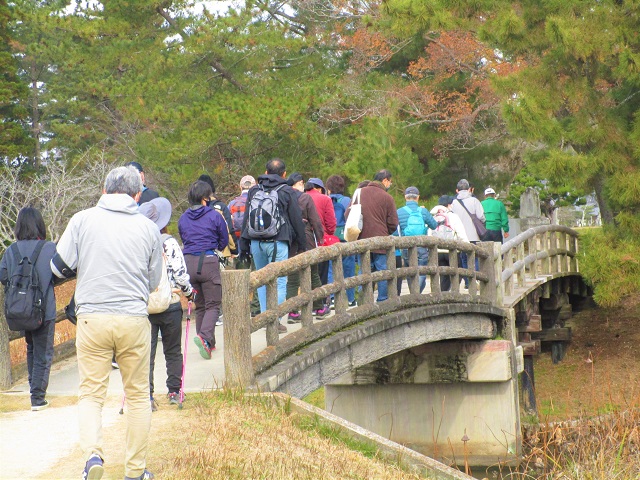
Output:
x=174 y=398
x=40 y=406
x=94 y=468
x=353 y=304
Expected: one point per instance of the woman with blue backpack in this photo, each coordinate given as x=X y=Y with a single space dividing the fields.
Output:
x=335 y=189
x=30 y=302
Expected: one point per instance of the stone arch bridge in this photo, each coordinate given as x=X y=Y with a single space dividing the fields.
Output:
x=436 y=371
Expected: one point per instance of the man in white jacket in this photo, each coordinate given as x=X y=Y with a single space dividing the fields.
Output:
x=452 y=224
x=464 y=206
x=117 y=253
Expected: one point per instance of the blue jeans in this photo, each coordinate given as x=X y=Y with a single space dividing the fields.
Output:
x=379 y=263
x=349 y=270
x=423 y=261
x=464 y=263
x=262 y=256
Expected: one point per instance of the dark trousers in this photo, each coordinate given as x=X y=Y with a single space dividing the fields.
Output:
x=494 y=236
x=293 y=285
x=399 y=279
x=169 y=324
x=39 y=358
x=209 y=297
x=445 y=280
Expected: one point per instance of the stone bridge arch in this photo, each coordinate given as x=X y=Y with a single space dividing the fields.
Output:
x=330 y=358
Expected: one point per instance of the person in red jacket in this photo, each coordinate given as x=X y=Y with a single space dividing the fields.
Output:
x=324 y=206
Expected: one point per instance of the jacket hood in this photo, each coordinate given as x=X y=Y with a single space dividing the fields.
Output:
x=271 y=180
x=196 y=213
x=118 y=202
x=464 y=194
x=439 y=209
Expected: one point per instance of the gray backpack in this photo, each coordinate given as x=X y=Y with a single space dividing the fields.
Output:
x=265 y=219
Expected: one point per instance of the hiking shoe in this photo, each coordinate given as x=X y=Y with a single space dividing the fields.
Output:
x=281 y=328
x=294 y=317
x=42 y=406
x=94 y=468
x=219 y=321
x=174 y=398
x=203 y=346
x=154 y=405
x=146 y=475
x=322 y=312
x=353 y=304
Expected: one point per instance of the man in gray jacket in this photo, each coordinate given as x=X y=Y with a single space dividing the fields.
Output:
x=473 y=206
x=117 y=253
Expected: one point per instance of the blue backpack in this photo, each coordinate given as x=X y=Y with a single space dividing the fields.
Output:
x=415 y=223
x=339 y=208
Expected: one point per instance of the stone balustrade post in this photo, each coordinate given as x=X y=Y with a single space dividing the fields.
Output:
x=492 y=268
x=238 y=364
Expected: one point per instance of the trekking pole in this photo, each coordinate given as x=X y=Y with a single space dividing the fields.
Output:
x=186 y=343
x=124 y=397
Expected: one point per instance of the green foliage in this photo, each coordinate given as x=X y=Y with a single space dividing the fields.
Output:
x=610 y=263
x=15 y=143
x=560 y=191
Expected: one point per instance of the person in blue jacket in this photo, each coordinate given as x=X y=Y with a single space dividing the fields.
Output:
x=409 y=228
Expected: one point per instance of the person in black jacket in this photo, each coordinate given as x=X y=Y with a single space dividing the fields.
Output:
x=147 y=193
x=29 y=231
x=291 y=231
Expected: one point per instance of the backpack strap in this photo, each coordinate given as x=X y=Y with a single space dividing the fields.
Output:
x=36 y=252
x=34 y=256
x=16 y=253
x=463 y=206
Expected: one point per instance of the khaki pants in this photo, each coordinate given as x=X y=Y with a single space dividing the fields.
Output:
x=98 y=336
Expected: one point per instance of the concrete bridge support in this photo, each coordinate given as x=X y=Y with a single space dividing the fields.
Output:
x=456 y=402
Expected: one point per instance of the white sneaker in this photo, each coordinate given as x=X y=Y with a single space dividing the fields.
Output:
x=219 y=322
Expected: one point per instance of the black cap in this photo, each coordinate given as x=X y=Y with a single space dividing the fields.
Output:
x=135 y=165
x=294 y=178
x=445 y=200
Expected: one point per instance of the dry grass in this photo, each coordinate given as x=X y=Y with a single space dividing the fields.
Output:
x=602 y=448
x=227 y=436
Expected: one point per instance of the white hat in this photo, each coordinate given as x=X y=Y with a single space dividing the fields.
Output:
x=489 y=191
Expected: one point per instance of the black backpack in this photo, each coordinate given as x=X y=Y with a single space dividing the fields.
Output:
x=24 y=302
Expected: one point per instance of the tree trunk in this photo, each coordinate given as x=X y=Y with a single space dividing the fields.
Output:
x=606 y=214
x=5 y=357
x=35 y=114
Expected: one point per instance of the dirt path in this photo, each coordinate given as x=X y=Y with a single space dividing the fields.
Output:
x=44 y=445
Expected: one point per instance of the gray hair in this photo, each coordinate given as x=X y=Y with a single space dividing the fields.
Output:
x=411 y=197
x=463 y=184
x=123 y=180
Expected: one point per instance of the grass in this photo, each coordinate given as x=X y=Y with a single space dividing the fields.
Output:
x=230 y=436
x=19 y=403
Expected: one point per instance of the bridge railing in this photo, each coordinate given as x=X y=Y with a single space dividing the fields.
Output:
x=240 y=368
x=544 y=250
